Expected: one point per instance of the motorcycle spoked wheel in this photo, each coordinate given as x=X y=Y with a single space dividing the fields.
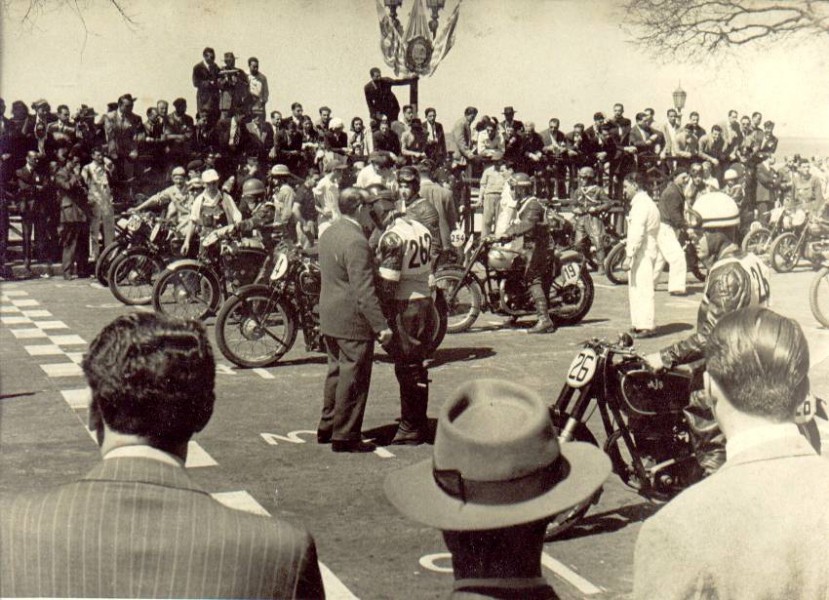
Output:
x=105 y=260
x=757 y=242
x=783 y=256
x=819 y=296
x=132 y=275
x=254 y=329
x=463 y=310
x=582 y=292
x=565 y=521
x=186 y=293
x=613 y=265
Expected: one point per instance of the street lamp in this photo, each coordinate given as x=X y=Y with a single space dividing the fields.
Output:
x=679 y=98
x=393 y=5
x=436 y=6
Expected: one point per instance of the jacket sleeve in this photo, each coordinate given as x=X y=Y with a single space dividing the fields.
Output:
x=664 y=567
x=360 y=268
x=636 y=229
x=729 y=288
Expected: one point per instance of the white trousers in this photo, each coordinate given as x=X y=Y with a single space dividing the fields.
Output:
x=640 y=291
x=670 y=251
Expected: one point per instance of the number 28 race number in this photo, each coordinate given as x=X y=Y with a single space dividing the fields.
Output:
x=582 y=368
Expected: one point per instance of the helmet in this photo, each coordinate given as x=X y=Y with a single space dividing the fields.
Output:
x=280 y=171
x=210 y=176
x=521 y=180
x=730 y=174
x=587 y=172
x=408 y=175
x=375 y=188
x=253 y=187
x=715 y=210
x=350 y=199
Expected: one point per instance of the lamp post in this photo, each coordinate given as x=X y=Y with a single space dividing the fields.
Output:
x=679 y=99
x=393 y=5
x=436 y=6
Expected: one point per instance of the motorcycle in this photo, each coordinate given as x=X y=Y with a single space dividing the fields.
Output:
x=258 y=324
x=134 y=271
x=646 y=435
x=819 y=293
x=610 y=238
x=196 y=288
x=130 y=230
x=615 y=258
x=809 y=240
x=759 y=238
x=501 y=288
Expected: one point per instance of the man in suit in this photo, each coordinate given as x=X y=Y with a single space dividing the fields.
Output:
x=379 y=96
x=74 y=218
x=555 y=147
x=435 y=138
x=152 y=381
x=350 y=321
x=462 y=135
x=509 y=119
x=769 y=497
x=31 y=205
x=206 y=82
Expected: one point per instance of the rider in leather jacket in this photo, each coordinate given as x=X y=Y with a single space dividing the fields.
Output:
x=592 y=201
x=734 y=281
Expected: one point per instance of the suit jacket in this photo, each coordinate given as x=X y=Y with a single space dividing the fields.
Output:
x=435 y=149
x=140 y=528
x=462 y=135
x=381 y=100
x=349 y=306
x=549 y=138
x=444 y=203
x=758 y=528
x=74 y=204
x=640 y=138
x=206 y=82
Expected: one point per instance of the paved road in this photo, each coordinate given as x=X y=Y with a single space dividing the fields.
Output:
x=258 y=452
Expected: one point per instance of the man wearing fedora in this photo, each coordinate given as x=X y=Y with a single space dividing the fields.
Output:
x=509 y=114
x=498 y=475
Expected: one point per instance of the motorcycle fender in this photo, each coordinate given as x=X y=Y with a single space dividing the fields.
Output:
x=569 y=255
x=184 y=262
x=266 y=289
x=474 y=277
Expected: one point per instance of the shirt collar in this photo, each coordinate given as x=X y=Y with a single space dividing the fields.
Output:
x=143 y=451
x=352 y=220
x=758 y=436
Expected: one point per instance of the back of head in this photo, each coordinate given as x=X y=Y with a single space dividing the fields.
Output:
x=350 y=200
x=153 y=377
x=760 y=360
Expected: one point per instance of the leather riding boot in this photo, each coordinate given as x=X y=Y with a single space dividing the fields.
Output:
x=706 y=437
x=414 y=400
x=544 y=324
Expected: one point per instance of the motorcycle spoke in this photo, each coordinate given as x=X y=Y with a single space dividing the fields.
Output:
x=257 y=329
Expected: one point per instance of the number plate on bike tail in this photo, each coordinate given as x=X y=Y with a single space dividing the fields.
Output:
x=582 y=368
x=806 y=411
x=571 y=272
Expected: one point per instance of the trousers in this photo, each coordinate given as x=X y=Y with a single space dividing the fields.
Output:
x=103 y=217
x=346 y=388
x=669 y=250
x=74 y=237
x=640 y=291
x=490 y=216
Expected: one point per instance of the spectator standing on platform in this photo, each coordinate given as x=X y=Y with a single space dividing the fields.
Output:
x=257 y=88
x=435 y=137
x=496 y=477
x=379 y=96
x=31 y=205
x=74 y=208
x=124 y=132
x=491 y=186
x=179 y=129
x=96 y=176
x=233 y=86
x=206 y=82
x=462 y=134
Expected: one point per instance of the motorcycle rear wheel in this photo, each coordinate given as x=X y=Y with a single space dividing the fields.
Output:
x=464 y=308
x=819 y=296
x=783 y=252
x=132 y=275
x=186 y=293
x=613 y=265
x=442 y=319
x=255 y=329
x=572 y=313
x=568 y=519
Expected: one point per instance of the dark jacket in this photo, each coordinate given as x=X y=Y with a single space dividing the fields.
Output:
x=72 y=196
x=381 y=100
x=205 y=80
x=349 y=306
x=672 y=206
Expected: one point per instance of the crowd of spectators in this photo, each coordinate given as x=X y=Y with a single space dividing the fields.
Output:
x=59 y=170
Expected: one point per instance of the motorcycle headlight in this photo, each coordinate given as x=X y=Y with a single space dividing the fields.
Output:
x=122 y=222
x=280 y=267
x=134 y=223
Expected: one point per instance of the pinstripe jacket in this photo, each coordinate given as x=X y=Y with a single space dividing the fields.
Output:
x=137 y=527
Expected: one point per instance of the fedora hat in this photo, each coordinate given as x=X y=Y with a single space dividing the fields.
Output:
x=497 y=463
x=508 y=110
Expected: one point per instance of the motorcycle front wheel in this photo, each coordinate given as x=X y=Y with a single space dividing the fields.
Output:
x=757 y=242
x=132 y=276
x=613 y=265
x=569 y=304
x=186 y=293
x=783 y=252
x=819 y=296
x=105 y=260
x=564 y=521
x=254 y=328
x=461 y=311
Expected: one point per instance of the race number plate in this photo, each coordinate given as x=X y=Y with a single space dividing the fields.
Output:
x=457 y=238
x=571 y=272
x=806 y=411
x=582 y=368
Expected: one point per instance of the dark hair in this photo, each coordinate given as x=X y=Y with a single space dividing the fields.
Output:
x=760 y=360
x=554 y=119
x=620 y=105
x=597 y=116
x=296 y=105
x=766 y=124
x=208 y=49
x=62 y=107
x=152 y=376
x=470 y=110
x=693 y=114
x=323 y=108
x=716 y=128
x=373 y=70
x=407 y=107
x=640 y=116
x=275 y=112
x=253 y=59
x=429 y=110
x=671 y=110
x=733 y=112
x=179 y=102
x=756 y=113
x=354 y=120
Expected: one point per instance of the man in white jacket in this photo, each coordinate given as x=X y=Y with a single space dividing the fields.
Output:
x=643 y=228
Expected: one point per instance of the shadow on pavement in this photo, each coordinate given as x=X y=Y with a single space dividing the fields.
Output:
x=610 y=521
x=450 y=355
x=17 y=395
x=671 y=328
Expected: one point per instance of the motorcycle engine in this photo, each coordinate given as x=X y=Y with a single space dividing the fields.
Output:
x=515 y=296
x=816 y=249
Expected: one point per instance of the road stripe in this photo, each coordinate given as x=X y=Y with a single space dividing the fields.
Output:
x=383 y=453
x=197 y=457
x=75 y=357
x=66 y=340
x=51 y=324
x=570 y=576
x=68 y=369
x=14 y=320
x=9 y=309
x=37 y=313
x=264 y=374
x=14 y=293
x=605 y=285
x=77 y=399
x=242 y=500
x=43 y=350
x=224 y=369
x=25 y=334
x=25 y=302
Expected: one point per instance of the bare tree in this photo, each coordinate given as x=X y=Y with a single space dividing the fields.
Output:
x=694 y=29
x=32 y=9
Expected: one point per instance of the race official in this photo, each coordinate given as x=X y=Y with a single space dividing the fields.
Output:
x=643 y=229
x=350 y=320
x=672 y=221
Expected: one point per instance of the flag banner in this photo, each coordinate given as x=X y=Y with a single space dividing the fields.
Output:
x=445 y=39
x=418 y=41
x=391 y=45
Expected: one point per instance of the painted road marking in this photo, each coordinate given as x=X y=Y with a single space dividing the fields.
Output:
x=67 y=340
x=224 y=369
x=77 y=399
x=10 y=308
x=68 y=369
x=382 y=452
x=25 y=302
x=429 y=561
x=37 y=313
x=25 y=334
x=14 y=320
x=75 y=357
x=51 y=324
x=570 y=576
x=264 y=374
x=242 y=500
x=14 y=293
x=197 y=457
x=43 y=350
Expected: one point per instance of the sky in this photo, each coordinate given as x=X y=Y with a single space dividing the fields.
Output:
x=562 y=58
